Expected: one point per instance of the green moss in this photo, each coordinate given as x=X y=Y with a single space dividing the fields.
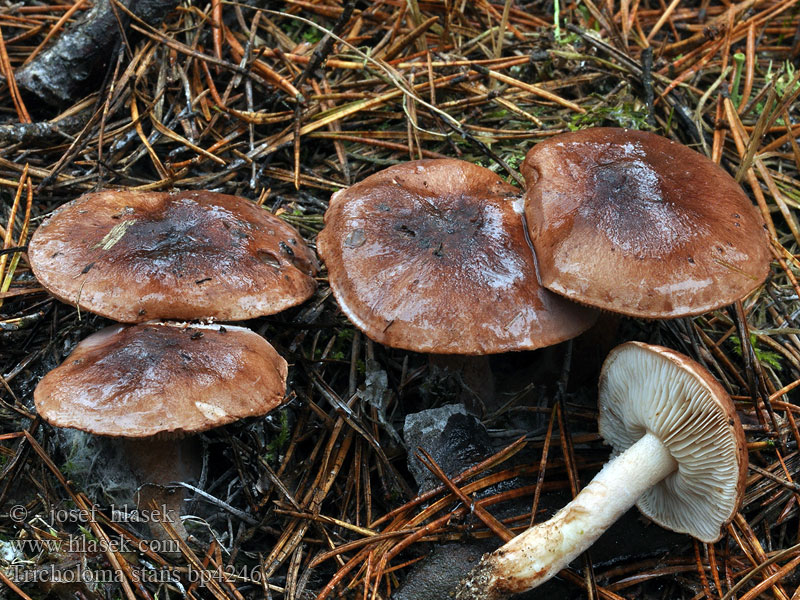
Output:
x=765 y=357
x=277 y=443
x=630 y=115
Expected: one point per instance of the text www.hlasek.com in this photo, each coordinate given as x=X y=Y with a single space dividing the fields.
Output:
x=82 y=545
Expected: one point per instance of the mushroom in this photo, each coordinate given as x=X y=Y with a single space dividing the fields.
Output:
x=138 y=256
x=431 y=256
x=153 y=384
x=633 y=223
x=680 y=456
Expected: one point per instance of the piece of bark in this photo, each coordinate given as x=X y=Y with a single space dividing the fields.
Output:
x=45 y=132
x=65 y=71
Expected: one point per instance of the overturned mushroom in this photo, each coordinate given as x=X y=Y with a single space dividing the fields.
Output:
x=680 y=456
x=138 y=256
x=634 y=223
x=153 y=384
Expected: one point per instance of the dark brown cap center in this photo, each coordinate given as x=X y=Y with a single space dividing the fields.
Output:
x=628 y=204
x=451 y=233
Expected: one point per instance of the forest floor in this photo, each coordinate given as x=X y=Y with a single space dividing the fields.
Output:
x=285 y=105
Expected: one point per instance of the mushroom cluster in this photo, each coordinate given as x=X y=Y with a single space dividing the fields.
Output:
x=442 y=256
x=432 y=255
x=194 y=256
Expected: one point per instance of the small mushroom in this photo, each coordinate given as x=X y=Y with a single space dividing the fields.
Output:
x=680 y=456
x=431 y=256
x=633 y=223
x=153 y=384
x=139 y=256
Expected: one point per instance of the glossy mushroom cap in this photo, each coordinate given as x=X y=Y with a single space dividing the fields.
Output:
x=138 y=256
x=652 y=389
x=634 y=223
x=162 y=378
x=431 y=256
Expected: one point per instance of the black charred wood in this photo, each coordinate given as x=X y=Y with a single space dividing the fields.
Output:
x=71 y=67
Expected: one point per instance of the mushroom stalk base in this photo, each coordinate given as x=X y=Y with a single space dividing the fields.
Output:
x=474 y=377
x=537 y=554
x=157 y=463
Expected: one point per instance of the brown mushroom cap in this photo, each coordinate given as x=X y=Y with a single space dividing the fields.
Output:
x=162 y=378
x=431 y=256
x=138 y=256
x=634 y=223
x=652 y=389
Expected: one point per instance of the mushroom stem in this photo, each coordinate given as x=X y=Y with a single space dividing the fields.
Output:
x=474 y=376
x=537 y=554
x=157 y=464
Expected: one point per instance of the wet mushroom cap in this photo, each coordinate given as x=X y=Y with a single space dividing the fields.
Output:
x=162 y=378
x=139 y=256
x=646 y=388
x=431 y=256
x=631 y=222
